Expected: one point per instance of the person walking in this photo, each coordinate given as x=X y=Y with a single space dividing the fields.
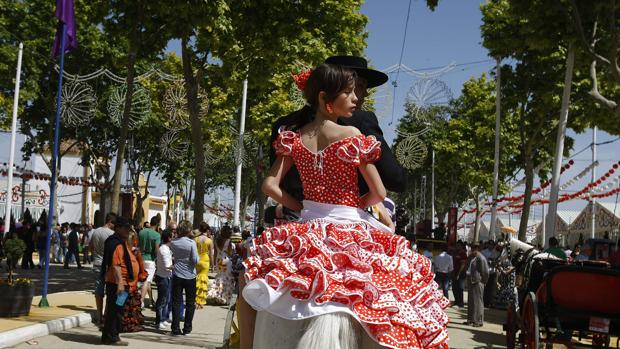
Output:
x=120 y=269
x=73 y=248
x=205 y=253
x=477 y=275
x=133 y=319
x=222 y=287
x=163 y=279
x=63 y=235
x=27 y=234
x=185 y=254
x=459 y=275
x=149 y=241
x=41 y=238
x=86 y=232
x=97 y=248
x=443 y=269
x=55 y=246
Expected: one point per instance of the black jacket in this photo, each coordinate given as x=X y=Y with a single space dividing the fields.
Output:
x=392 y=174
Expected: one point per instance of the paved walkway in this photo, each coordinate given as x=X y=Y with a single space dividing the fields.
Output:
x=76 y=307
x=462 y=336
x=208 y=327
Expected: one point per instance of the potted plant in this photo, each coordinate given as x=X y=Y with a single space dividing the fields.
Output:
x=18 y=293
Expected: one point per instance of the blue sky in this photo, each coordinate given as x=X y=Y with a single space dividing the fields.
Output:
x=451 y=34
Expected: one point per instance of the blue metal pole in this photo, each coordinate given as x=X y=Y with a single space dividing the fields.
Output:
x=50 y=213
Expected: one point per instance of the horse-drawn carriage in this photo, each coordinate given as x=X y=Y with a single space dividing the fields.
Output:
x=556 y=301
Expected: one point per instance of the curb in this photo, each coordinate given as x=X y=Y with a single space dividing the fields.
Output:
x=26 y=333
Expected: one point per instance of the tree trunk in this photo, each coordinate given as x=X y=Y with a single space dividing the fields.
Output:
x=102 y=209
x=138 y=214
x=243 y=212
x=191 y=86
x=122 y=139
x=529 y=183
x=167 y=208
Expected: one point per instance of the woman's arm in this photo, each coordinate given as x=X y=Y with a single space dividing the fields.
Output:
x=211 y=253
x=384 y=216
x=377 y=191
x=167 y=257
x=271 y=184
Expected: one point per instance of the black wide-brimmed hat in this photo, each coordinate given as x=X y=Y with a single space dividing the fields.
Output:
x=360 y=65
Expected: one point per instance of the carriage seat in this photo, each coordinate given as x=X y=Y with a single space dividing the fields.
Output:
x=584 y=289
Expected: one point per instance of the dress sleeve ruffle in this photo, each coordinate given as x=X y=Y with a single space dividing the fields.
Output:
x=361 y=149
x=283 y=145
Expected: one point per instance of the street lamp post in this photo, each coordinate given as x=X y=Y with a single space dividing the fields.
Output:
x=239 y=149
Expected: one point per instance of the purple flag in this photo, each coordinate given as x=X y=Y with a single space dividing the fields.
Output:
x=65 y=15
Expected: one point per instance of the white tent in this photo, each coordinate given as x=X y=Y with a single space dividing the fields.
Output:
x=606 y=222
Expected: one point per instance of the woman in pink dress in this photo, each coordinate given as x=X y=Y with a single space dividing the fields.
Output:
x=339 y=278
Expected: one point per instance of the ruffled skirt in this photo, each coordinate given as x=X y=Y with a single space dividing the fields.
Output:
x=202 y=281
x=346 y=262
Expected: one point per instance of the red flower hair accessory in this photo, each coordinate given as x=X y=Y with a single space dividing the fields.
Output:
x=301 y=79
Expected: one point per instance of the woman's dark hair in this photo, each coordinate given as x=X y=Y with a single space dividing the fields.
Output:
x=166 y=235
x=245 y=234
x=224 y=235
x=328 y=78
x=204 y=227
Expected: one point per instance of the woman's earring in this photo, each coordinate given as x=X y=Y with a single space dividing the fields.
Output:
x=329 y=107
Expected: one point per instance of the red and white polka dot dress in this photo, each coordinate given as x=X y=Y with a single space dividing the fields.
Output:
x=388 y=288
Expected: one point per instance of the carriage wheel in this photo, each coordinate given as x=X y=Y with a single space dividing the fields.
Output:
x=511 y=326
x=531 y=334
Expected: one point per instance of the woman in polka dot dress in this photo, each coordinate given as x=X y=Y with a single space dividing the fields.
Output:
x=339 y=278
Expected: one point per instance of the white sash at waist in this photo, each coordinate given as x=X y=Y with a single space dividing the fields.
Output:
x=339 y=214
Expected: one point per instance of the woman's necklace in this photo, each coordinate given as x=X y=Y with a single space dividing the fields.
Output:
x=315 y=130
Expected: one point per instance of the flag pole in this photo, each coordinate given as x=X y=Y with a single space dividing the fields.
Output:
x=50 y=217
x=7 y=213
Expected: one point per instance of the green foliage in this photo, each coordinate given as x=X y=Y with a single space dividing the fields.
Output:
x=227 y=41
x=14 y=248
x=534 y=35
x=536 y=31
x=463 y=138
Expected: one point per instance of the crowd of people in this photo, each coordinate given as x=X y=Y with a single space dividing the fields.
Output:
x=69 y=242
x=177 y=260
x=484 y=269
x=128 y=259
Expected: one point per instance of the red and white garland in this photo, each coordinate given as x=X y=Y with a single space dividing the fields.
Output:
x=592 y=190
x=27 y=175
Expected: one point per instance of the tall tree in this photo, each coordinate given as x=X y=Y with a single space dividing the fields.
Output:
x=596 y=30
x=226 y=41
x=139 y=24
x=535 y=35
x=31 y=22
x=468 y=142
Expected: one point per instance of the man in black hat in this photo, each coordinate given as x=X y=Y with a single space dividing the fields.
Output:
x=392 y=174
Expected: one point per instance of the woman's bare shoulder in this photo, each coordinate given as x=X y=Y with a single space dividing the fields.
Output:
x=348 y=131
